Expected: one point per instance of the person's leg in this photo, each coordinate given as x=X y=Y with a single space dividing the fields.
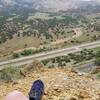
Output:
x=36 y=93
x=15 y=95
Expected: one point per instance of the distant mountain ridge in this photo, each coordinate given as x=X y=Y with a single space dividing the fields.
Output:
x=47 y=5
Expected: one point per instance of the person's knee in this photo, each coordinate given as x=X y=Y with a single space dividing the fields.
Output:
x=15 y=95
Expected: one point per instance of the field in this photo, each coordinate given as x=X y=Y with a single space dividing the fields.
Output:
x=44 y=16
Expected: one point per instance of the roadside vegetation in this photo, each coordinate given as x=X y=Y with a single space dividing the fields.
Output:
x=23 y=53
x=28 y=52
x=97 y=61
x=84 y=55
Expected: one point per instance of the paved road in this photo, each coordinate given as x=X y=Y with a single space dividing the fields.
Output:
x=50 y=54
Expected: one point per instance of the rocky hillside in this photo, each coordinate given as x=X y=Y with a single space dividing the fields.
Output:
x=60 y=84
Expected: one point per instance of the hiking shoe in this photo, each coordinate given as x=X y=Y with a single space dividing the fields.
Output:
x=37 y=90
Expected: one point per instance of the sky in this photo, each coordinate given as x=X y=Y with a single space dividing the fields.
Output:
x=51 y=4
x=62 y=3
x=28 y=0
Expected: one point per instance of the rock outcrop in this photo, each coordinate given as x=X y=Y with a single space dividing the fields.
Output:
x=60 y=84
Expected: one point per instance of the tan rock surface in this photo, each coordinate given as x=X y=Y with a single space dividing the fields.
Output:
x=60 y=84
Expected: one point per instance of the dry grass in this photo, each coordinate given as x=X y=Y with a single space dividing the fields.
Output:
x=17 y=44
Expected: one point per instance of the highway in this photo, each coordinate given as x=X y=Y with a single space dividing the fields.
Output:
x=50 y=54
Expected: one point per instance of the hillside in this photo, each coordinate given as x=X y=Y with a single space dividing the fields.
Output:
x=47 y=24
x=64 y=35
x=46 y=30
x=60 y=84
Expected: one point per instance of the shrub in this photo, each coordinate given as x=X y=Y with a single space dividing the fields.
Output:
x=97 y=61
x=45 y=62
x=67 y=59
x=27 y=52
x=97 y=54
x=16 y=55
x=10 y=73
